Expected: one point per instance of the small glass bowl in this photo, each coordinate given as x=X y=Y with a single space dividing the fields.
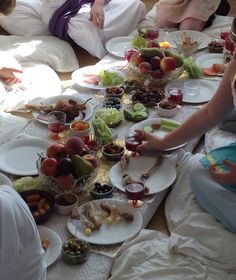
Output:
x=112 y=102
x=75 y=251
x=114 y=92
x=80 y=128
x=102 y=190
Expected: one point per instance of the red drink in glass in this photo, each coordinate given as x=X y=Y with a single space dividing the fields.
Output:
x=131 y=143
x=152 y=34
x=56 y=127
x=224 y=35
x=135 y=191
x=229 y=45
x=176 y=95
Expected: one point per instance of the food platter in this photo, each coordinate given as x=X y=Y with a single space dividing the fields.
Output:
x=160 y=132
x=79 y=76
x=159 y=180
x=176 y=36
x=54 y=248
x=4 y=180
x=108 y=233
x=207 y=89
x=18 y=157
x=42 y=117
x=118 y=45
x=207 y=60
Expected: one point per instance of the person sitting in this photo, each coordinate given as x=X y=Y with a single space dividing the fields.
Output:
x=20 y=246
x=88 y=23
x=213 y=179
x=189 y=14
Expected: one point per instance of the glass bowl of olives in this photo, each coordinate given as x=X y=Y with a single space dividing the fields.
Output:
x=75 y=251
x=102 y=190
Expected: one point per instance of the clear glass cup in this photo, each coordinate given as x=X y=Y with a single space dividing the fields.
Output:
x=191 y=88
x=56 y=124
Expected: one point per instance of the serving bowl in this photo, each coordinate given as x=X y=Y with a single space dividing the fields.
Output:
x=41 y=204
x=80 y=128
x=75 y=251
x=65 y=203
x=112 y=102
x=114 y=92
x=102 y=190
x=112 y=152
x=167 y=108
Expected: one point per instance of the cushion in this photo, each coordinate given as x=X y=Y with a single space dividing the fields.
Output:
x=46 y=49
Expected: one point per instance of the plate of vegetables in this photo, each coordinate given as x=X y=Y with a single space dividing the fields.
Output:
x=98 y=77
x=158 y=126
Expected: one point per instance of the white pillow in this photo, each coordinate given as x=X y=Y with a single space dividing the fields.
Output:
x=46 y=49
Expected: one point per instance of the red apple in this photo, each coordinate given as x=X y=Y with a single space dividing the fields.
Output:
x=56 y=151
x=136 y=59
x=49 y=167
x=145 y=67
x=129 y=53
x=155 y=62
x=152 y=44
x=167 y=64
x=91 y=158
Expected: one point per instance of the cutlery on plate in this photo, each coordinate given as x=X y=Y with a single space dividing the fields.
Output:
x=147 y=173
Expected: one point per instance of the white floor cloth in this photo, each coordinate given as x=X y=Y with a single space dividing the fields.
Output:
x=31 y=17
x=198 y=247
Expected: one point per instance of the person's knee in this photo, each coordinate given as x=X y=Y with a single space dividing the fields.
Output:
x=191 y=24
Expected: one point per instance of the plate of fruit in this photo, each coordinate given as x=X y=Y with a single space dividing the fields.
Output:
x=154 y=66
x=64 y=165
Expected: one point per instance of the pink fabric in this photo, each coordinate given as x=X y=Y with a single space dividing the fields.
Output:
x=177 y=10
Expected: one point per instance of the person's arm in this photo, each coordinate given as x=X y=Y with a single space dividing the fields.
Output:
x=8 y=75
x=200 y=122
x=97 y=13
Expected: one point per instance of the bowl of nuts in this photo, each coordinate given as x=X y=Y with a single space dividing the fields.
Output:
x=114 y=92
x=112 y=152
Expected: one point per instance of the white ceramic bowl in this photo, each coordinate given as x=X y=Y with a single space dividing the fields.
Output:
x=167 y=112
x=77 y=132
x=65 y=203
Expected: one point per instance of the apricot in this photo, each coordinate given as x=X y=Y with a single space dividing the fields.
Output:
x=167 y=64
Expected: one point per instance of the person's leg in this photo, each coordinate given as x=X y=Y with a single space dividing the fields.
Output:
x=191 y=24
x=212 y=197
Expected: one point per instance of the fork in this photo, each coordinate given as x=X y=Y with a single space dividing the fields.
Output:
x=146 y=174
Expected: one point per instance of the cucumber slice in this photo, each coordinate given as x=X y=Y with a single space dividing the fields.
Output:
x=128 y=114
x=140 y=115
x=139 y=107
x=148 y=128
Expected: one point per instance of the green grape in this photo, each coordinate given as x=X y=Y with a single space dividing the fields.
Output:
x=139 y=42
x=28 y=183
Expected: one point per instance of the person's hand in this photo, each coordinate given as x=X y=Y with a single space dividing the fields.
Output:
x=152 y=144
x=97 y=14
x=8 y=75
x=228 y=177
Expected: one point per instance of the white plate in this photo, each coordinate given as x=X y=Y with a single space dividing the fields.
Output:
x=78 y=76
x=158 y=132
x=54 y=248
x=176 y=36
x=207 y=60
x=207 y=89
x=159 y=180
x=4 y=180
x=42 y=118
x=109 y=234
x=118 y=45
x=19 y=157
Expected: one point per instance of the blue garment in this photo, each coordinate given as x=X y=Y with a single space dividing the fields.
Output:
x=212 y=196
x=215 y=158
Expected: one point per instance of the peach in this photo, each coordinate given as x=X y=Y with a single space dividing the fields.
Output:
x=167 y=64
x=74 y=145
x=145 y=67
x=136 y=59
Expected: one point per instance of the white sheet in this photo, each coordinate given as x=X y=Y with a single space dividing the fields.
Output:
x=198 y=247
x=32 y=18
